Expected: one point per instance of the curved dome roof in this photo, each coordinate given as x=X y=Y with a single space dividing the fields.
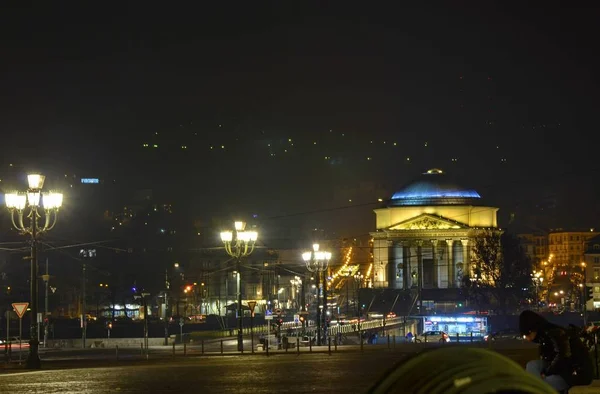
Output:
x=434 y=188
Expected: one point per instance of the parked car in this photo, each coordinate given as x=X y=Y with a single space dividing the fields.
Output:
x=504 y=335
x=14 y=341
x=433 y=336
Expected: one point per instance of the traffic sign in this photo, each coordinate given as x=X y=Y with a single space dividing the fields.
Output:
x=268 y=312
x=20 y=308
x=296 y=318
x=278 y=311
x=181 y=322
x=252 y=305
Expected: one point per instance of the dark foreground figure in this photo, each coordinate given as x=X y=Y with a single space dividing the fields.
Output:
x=564 y=361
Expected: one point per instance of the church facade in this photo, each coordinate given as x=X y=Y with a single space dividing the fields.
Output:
x=423 y=235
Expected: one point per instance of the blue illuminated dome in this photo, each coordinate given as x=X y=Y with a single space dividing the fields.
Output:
x=434 y=188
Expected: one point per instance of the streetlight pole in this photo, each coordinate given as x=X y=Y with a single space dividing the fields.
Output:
x=141 y=295
x=317 y=262
x=33 y=206
x=303 y=301
x=358 y=279
x=325 y=306
x=84 y=254
x=238 y=244
x=318 y=319
x=584 y=293
x=46 y=278
x=348 y=293
x=83 y=308
x=166 y=311
x=537 y=280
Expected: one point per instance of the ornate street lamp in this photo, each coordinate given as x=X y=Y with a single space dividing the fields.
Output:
x=296 y=283
x=238 y=244
x=348 y=276
x=538 y=280
x=317 y=262
x=27 y=210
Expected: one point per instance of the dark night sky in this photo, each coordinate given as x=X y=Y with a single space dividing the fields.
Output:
x=91 y=85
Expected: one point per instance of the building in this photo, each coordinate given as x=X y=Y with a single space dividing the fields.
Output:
x=422 y=236
x=591 y=259
x=210 y=273
x=568 y=247
x=535 y=246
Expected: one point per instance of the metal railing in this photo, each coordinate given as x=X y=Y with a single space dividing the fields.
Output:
x=310 y=327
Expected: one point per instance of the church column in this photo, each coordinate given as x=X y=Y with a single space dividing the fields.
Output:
x=398 y=261
x=406 y=263
x=391 y=265
x=465 y=258
x=436 y=274
x=450 y=263
x=380 y=262
x=420 y=273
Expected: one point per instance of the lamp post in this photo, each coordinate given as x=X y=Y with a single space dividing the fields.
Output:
x=84 y=254
x=583 y=292
x=348 y=293
x=26 y=211
x=238 y=244
x=303 y=302
x=142 y=296
x=317 y=262
x=538 y=280
x=295 y=285
x=358 y=278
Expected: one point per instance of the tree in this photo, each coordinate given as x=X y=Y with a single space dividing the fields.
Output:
x=500 y=275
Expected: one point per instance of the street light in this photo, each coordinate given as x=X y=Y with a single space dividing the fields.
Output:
x=238 y=244
x=348 y=275
x=30 y=207
x=358 y=278
x=317 y=262
x=141 y=295
x=584 y=295
x=295 y=284
x=538 y=280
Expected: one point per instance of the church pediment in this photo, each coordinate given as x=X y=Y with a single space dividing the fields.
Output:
x=427 y=222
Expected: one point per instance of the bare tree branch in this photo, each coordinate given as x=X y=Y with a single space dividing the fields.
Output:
x=500 y=276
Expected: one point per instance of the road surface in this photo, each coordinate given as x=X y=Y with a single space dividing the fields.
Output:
x=342 y=372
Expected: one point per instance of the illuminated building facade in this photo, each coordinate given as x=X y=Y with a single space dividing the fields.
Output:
x=568 y=247
x=592 y=267
x=423 y=235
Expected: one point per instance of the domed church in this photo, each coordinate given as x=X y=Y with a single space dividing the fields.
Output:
x=422 y=236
